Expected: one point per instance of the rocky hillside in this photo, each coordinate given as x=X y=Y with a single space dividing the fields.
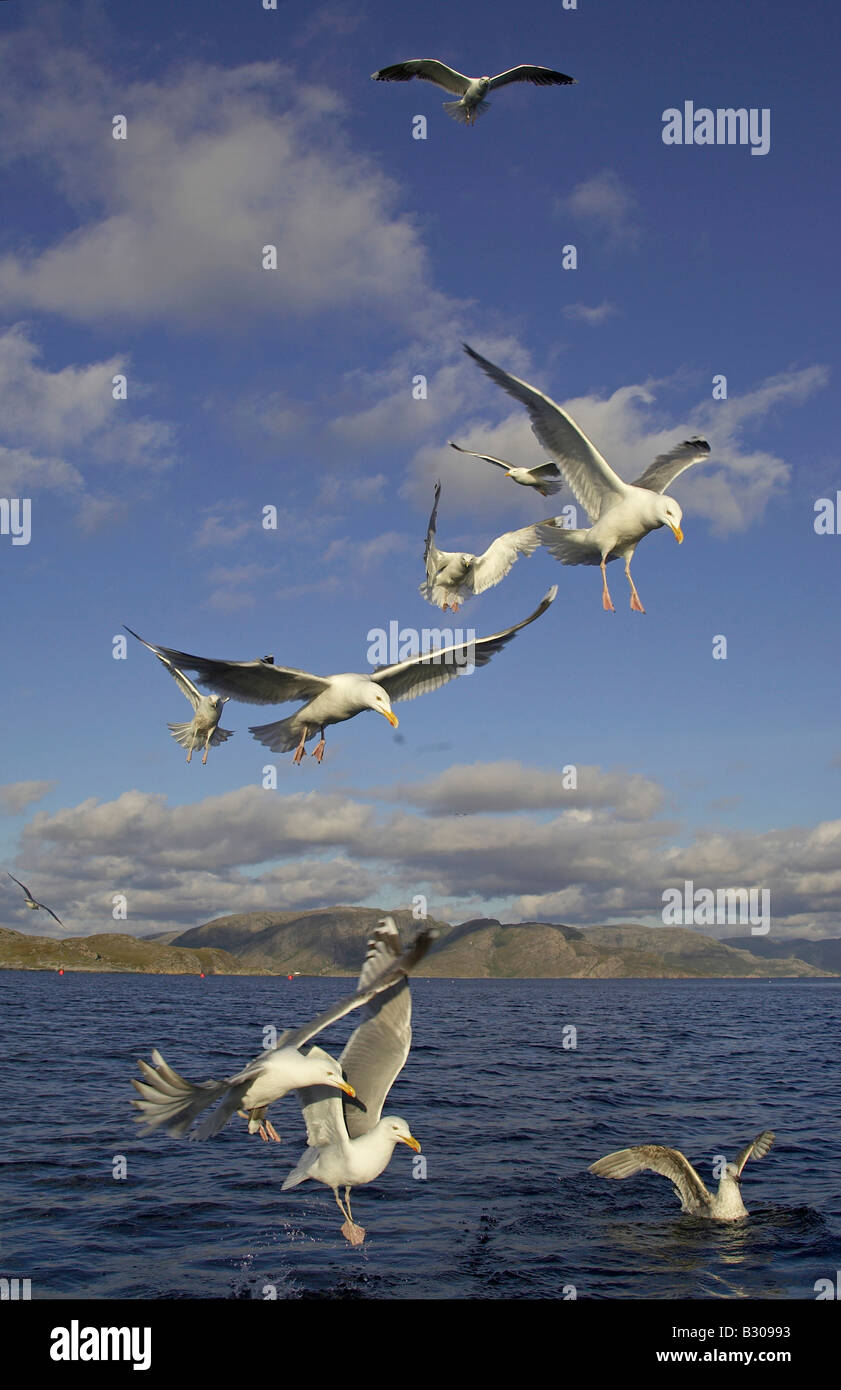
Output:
x=113 y=951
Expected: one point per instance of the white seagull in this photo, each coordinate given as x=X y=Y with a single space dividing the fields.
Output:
x=171 y=1102
x=332 y=699
x=203 y=728
x=452 y=576
x=32 y=902
x=622 y=513
x=350 y=1144
x=547 y=478
x=472 y=91
x=724 y=1205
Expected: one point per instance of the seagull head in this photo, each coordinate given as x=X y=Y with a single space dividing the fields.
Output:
x=377 y=699
x=670 y=515
x=326 y=1072
x=218 y=701
x=399 y=1132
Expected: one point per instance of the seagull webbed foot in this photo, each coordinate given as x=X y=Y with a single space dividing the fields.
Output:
x=353 y=1233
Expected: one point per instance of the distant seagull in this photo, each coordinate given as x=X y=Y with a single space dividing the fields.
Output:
x=724 y=1205
x=171 y=1102
x=471 y=90
x=203 y=728
x=546 y=478
x=31 y=902
x=352 y=1143
x=453 y=576
x=622 y=512
x=333 y=699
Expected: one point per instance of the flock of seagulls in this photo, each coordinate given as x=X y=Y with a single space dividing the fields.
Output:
x=349 y=1140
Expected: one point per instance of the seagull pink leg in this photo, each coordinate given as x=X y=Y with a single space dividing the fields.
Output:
x=636 y=605
x=300 y=751
x=606 y=601
x=351 y=1232
x=318 y=750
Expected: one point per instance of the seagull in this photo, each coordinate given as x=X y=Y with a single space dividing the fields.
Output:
x=204 y=725
x=171 y=1102
x=332 y=699
x=622 y=513
x=471 y=90
x=724 y=1205
x=451 y=576
x=31 y=901
x=546 y=478
x=349 y=1145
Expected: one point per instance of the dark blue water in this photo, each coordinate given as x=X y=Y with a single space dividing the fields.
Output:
x=508 y=1119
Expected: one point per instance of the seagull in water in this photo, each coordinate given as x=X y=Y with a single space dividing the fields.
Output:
x=350 y=1144
x=472 y=91
x=333 y=699
x=724 y=1205
x=31 y=902
x=173 y=1103
x=622 y=513
x=203 y=728
x=453 y=576
x=546 y=478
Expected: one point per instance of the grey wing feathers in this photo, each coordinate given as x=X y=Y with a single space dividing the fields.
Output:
x=666 y=467
x=321 y=1107
x=20 y=885
x=528 y=72
x=429 y=69
x=253 y=682
x=655 y=1158
x=168 y=1100
x=500 y=556
x=375 y=1055
x=488 y=458
x=407 y=679
x=430 y=551
x=757 y=1148
x=587 y=472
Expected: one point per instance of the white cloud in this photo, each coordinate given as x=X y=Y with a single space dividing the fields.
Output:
x=172 y=220
x=608 y=205
x=590 y=314
x=17 y=796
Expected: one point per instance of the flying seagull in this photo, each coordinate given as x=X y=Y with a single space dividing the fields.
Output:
x=171 y=1102
x=352 y=1143
x=452 y=576
x=622 y=513
x=724 y=1205
x=203 y=728
x=32 y=902
x=472 y=91
x=332 y=699
x=546 y=478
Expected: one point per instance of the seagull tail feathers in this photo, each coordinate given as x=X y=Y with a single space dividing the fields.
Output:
x=169 y=1101
x=464 y=115
x=282 y=736
x=301 y=1171
x=570 y=547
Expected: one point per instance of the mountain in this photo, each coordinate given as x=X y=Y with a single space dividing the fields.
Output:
x=112 y=951
x=826 y=953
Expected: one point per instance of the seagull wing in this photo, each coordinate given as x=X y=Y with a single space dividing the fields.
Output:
x=376 y=1051
x=546 y=470
x=666 y=467
x=184 y=684
x=589 y=475
x=52 y=914
x=385 y=965
x=20 y=885
x=431 y=554
x=757 y=1148
x=490 y=568
x=654 y=1158
x=527 y=72
x=321 y=1107
x=488 y=458
x=430 y=69
x=407 y=679
x=252 y=682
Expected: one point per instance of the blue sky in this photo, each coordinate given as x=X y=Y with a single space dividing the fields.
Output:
x=249 y=388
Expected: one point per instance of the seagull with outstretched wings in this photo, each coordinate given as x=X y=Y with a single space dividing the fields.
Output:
x=724 y=1205
x=471 y=91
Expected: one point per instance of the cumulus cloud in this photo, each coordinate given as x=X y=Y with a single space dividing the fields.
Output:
x=591 y=314
x=606 y=204
x=601 y=859
x=509 y=785
x=17 y=796
x=172 y=221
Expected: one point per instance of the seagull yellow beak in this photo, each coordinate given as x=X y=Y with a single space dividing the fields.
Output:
x=392 y=718
x=677 y=533
x=347 y=1088
x=411 y=1143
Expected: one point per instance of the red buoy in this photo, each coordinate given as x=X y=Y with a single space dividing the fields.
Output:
x=61 y=972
